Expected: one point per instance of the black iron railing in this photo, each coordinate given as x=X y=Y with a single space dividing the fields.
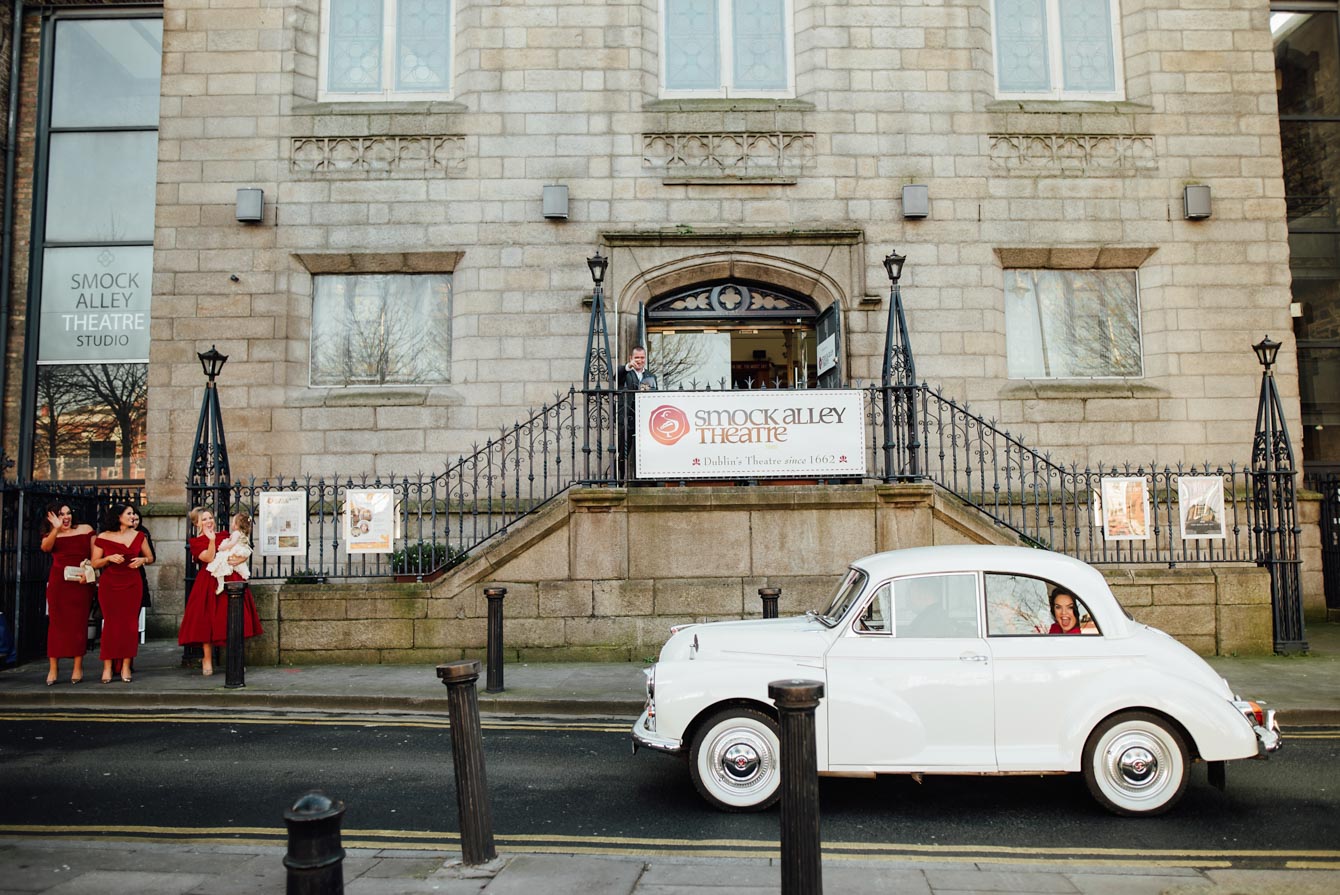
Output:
x=444 y=517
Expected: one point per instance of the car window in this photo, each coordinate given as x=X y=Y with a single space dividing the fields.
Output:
x=847 y=592
x=875 y=617
x=936 y=606
x=1020 y=605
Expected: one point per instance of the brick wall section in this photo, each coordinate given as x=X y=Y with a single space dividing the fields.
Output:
x=561 y=92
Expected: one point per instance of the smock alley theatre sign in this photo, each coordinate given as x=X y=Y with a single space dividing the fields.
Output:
x=750 y=434
x=95 y=305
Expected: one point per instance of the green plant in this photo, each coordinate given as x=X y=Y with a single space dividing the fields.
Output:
x=304 y=576
x=423 y=557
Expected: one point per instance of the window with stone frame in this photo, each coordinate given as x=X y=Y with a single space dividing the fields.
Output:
x=379 y=50
x=727 y=48
x=381 y=329
x=1072 y=324
x=1058 y=49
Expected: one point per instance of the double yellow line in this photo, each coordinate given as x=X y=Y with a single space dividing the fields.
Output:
x=298 y=720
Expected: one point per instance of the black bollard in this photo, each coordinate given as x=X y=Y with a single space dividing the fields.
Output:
x=796 y=700
x=315 y=858
x=467 y=756
x=769 y=597
x=237 y=660
x=494 y=682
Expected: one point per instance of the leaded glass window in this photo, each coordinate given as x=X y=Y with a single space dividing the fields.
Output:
x=1057 y=49
x=384 y=49
x=726 y=47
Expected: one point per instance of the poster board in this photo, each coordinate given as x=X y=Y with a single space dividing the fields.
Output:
x=282 y=523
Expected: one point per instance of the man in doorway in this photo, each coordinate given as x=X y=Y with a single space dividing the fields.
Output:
x=632 y=378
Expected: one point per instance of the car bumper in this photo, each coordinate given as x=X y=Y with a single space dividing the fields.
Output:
x=644 y=735
x=1268 y=737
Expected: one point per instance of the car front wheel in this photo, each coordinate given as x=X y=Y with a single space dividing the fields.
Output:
x=735 y=760
x=1136 y=764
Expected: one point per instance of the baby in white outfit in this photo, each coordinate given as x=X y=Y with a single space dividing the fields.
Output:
x=237 y=544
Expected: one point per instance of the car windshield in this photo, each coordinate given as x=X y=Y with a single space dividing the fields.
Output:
x=850 y=589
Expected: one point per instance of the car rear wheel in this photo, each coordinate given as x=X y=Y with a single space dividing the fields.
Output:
x=735 y=760
x=1136 y=764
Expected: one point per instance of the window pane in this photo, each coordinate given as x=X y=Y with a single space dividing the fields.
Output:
x=89 y=422
x=1021 y=46
x=691 y=40
x=95 y=304
x=423 y=45
x=354 y=49
x=1311 y=173
x=1071 y=323
x=1016 y=604
x=1319 y=393
x=107 y=73
x=689 y=360
x=1307 y=62
x=101 y=187
x=381 y=330
x=1086 y=46
x=936 y=606
x=760 y=44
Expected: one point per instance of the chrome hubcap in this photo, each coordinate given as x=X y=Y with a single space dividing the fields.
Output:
x=740 y=763
x=1138 y=766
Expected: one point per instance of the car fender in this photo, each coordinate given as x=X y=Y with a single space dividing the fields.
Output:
x=1217 y=731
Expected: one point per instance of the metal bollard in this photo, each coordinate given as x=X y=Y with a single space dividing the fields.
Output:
x=769 y=597
x=494 y=681
x=467 y=756
x=236 y=646
x=796 y=700
x=315 y=858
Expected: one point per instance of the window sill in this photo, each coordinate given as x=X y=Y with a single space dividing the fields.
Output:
x=727 y=104
x=377 y=107
x=1069 y=106
x=1080 y=388
x=389 y=396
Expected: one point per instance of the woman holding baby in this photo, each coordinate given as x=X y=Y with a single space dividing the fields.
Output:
x=205 y=620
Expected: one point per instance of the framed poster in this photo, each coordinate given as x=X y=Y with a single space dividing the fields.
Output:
x=369 y=520
x=282 y=523
x=1200 y=503
x=1125 y=508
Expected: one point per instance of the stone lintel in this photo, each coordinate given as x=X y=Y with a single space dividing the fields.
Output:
x=686 y=235
x=1074 y=257
x=379 y=262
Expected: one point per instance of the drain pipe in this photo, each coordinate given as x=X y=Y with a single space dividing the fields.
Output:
x=7 y=237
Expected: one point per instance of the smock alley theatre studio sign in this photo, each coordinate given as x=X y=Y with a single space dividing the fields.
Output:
x=95 y=305
x=750 y=434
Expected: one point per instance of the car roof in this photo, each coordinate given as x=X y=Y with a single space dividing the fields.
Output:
x=1086 y=581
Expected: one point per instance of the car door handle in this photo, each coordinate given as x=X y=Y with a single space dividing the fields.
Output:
x=972 y=657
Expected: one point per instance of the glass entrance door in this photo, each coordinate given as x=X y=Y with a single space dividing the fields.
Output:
x=732 y=356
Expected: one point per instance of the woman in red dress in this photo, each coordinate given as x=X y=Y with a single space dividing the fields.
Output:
x=68 y=602
x=205 y=620
x=119 y=552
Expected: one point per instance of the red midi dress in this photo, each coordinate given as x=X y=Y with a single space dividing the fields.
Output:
x=120 y=594
x=206 y=617
x=68 y=602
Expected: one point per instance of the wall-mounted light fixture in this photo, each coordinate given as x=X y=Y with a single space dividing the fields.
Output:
x=916 y=201
x=250 y=205
x=1196 y=202
x=555 y=202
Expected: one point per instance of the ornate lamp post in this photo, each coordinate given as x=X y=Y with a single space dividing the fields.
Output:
x=208 y=481
x=598 y=382
x=1275 y=507
x=900 y=374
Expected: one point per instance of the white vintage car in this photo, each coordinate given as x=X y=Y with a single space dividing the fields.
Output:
x=943 y=660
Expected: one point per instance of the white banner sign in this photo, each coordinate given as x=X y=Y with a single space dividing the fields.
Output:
x=283 y=523
x=750 y=434
x=95 y=305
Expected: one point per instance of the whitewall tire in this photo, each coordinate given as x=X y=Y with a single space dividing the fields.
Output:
x=735 y=760
x=1136 y=764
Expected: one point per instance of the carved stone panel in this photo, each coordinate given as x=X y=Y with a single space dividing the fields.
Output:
x=776 y=157
x=388 y=155
x=1073 y=155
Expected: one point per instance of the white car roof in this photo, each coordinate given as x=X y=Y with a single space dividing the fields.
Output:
x=1086 y=581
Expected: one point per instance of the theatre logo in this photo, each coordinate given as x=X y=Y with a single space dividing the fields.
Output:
x=95 y=305
x=748 y=434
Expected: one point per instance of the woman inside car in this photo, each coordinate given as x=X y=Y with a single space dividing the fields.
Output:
x=1065 y=617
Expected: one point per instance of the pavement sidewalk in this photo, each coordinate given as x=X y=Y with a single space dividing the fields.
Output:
x=1304 y=689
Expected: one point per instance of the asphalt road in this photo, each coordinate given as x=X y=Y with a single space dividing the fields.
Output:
x=568 y=785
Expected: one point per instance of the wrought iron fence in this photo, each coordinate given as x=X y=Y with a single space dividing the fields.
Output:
x=442 y=518
x=23 y=565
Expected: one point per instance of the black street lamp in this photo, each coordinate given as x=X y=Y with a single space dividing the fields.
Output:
x=212 y=362
x=1275 y=507
x=208 y=481
x=899 y=376
x=598 y=383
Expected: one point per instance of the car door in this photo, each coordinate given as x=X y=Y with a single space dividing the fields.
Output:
x=910 y=680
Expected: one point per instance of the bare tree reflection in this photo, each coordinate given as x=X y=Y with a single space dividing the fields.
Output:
x=379 y=330
x=80 y=404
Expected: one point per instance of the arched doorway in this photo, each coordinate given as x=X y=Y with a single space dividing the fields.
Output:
x=740 y=334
